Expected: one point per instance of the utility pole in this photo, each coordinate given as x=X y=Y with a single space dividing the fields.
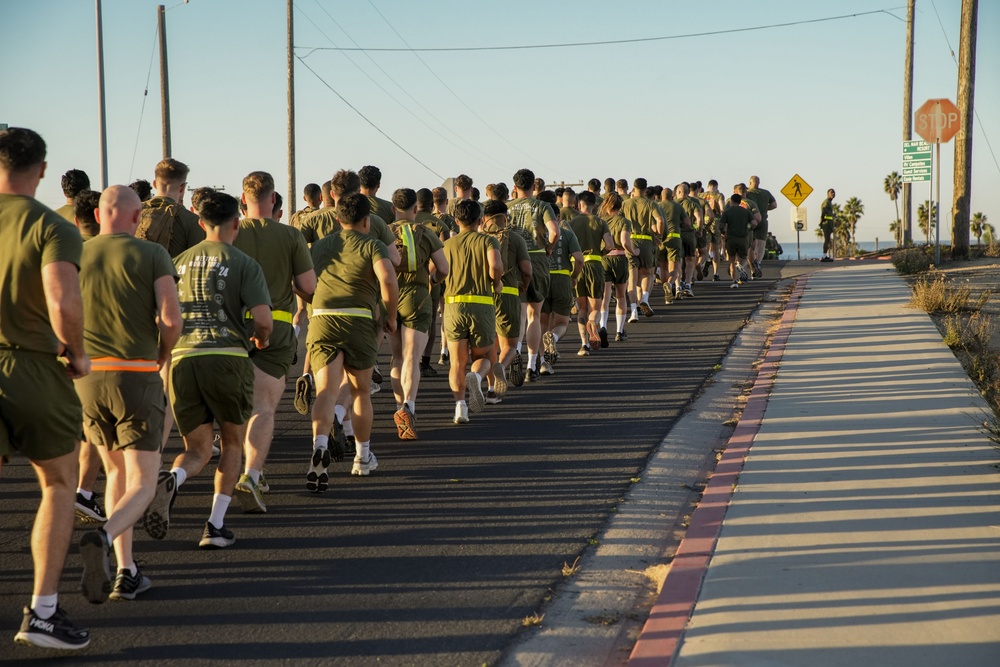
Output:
x=963 y=140
x=102 y=116
x=908 y=119
x=292 y=199
x=161 y=25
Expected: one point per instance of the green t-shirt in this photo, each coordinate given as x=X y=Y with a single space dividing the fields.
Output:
x=68 y=211
x=616 y=224
x=185 y=232
x=567 y=213
x=420 y=243
x=531 y=215
x=468 y=266
x=345 y=270
x=561 y=258
x=673 y=213
x=324 y=222
x=590 y=231
x=31 y=236
x=117 y=276
x=826 y=216
x=691 y=206
x=763 y=200
x=517 y=252
x=639 y=211
x=452 y=203
x=382 y=208
x=218 y=283
x=281 y=252
x=735 y=222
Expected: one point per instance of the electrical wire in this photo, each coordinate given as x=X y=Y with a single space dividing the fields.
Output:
x=367 y=120
x=142 y=110
x=636 y=40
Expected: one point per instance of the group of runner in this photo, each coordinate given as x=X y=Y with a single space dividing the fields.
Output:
x=121 y=303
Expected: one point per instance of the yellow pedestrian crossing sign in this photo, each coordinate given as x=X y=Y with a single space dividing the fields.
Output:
x=797 y=190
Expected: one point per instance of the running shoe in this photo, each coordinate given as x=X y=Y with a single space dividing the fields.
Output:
x=443 y=359
x=742 y=273
x=517 y=370
x=603 y=334
x=216 y=449
x=461 y=414
x=688 y=292
x=758 y=271
x=428 y=371
x=318 y=478
x=716 y=278
x=249 y=495
x=90 y=511
x=475 y=391
x=337 y=440
x=492 y=398
x=545 y=368
x=406 y=423
x=156 y=519
x=594 y=335
x=303 y=395
x=500 y=379
x=375 y=388
x=735 y=285
x=56 y=632
x=376 y=374
x=533 y=375
x=95 y=552
x=128 y=585
x=646 y=310
x=584 y=351
x=262 y=484
x=633 y=318
x=216 y=538
x=621 y=337
x=363 y=468
x=551 y=354
x=351 y=446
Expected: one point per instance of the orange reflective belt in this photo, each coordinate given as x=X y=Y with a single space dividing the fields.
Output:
x=130 y=365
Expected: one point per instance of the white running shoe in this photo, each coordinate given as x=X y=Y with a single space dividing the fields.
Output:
x=461 y=414
x=363 y=468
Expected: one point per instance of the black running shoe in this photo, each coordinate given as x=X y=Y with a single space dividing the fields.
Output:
x=54 y=632
x=533 y=375
x=376 y=375
x=351 y=445
x=426 y=370
x=216 y=538
x=516 y=370
x=156 y=519
x=337 y=440
x=95 y=552
x=303 y=395
x=317 y=478
x=128 y=585
x=603 y=333
x=90 y=511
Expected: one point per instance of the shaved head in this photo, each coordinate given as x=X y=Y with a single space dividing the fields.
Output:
x=118 y=211
x=754 y=182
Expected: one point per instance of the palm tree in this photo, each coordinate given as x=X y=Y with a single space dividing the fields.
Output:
x=927 y=226
x=989 y=233
x=977 y=226
x=852 y=212
x=896 y=229
x=893 y=185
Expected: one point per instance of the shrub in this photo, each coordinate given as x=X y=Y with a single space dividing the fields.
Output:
x=934 y=295
x=910 y=261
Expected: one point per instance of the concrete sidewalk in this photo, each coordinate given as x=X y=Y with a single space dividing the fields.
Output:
x=865 y=527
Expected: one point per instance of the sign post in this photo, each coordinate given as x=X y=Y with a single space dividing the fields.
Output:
x=799 y=224
x=937 y=121
x=796 y=191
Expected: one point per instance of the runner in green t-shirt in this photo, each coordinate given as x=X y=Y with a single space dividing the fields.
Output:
x=132 y=320
x=565 y=268
x=312 y=195
x=170 y=182
x=284 y=257
x=716 y=205
x=427 y=217
x=616 y=263
x=371 y=180
x=40 y=413
x=689 y=235
x=353 y=272
x=419 y=249
x=73 y=183
x=765 y=202
x=594 y=236
x=475 y=276
x=211 y=375
x=737 y=224
x=645 y=219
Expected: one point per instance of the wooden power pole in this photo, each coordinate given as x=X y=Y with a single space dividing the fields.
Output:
x=907 y=221
x=101 y=113
x=292 y=200
x=963 y=140
x=161 y=25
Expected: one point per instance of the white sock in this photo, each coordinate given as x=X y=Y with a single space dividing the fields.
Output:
x=620 y=320
x=297 y=330
x=45 y=605
x=532 y=358
x=321 y=442
x=132 y=569
x=634 y=308
x=220 y=504
x=86 y=494
x=349 y=427
x=519 y=347
x=180 y=474
x=604 y=318
x=364 y=450
x=254 y=475
x=459 y=404
x=583 y=333
x=555 y=336
x=645 y=297
x=340 y=412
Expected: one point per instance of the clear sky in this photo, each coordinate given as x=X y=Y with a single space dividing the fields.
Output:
x=823 y=99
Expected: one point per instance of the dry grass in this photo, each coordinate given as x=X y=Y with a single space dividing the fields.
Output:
x=569 y=570
x=937 y=295
x=532 y=620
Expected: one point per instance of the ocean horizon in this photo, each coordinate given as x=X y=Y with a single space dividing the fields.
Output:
x=814 y=249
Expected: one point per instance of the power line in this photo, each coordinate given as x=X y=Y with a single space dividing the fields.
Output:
x=365 y=118
x=456 y=95
x=637 y=40
x=142 y=110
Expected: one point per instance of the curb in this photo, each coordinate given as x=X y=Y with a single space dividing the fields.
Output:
x=661 y=635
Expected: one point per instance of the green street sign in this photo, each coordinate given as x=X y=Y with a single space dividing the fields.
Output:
x=916 y=161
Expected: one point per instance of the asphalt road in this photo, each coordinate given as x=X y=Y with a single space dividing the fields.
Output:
x=434 y=559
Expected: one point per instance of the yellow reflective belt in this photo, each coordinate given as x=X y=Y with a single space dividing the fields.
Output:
x=276 y=315
x=560 y=272
x=343 y=312
x=181 y=353
x=592 y=258
x=469 y=298
x=116 y=364
x=537 y=250
x=642 y=237
x=673 y=235
x=411 y=247
x=511 y=290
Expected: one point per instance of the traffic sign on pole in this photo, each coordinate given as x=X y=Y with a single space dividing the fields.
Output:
x=916 y=161
x=796 y=190
x=937 y=121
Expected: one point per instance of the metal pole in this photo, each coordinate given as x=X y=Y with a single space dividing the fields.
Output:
x=907 y=221
x=798 y=243
x=291 y=201
x=937 y=196
x=161 y=25
x=102 y=116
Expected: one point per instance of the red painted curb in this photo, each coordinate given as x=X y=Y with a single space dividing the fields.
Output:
x=661 y=635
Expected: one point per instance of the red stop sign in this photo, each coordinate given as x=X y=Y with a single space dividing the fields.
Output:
x=937 y=121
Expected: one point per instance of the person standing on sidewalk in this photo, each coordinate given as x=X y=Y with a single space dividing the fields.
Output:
x=827 y=217
x=284 y=257
x=132 y=320
x=41 y=352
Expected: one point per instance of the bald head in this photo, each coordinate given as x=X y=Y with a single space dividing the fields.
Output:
x=754 y=182
x=118 y=211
